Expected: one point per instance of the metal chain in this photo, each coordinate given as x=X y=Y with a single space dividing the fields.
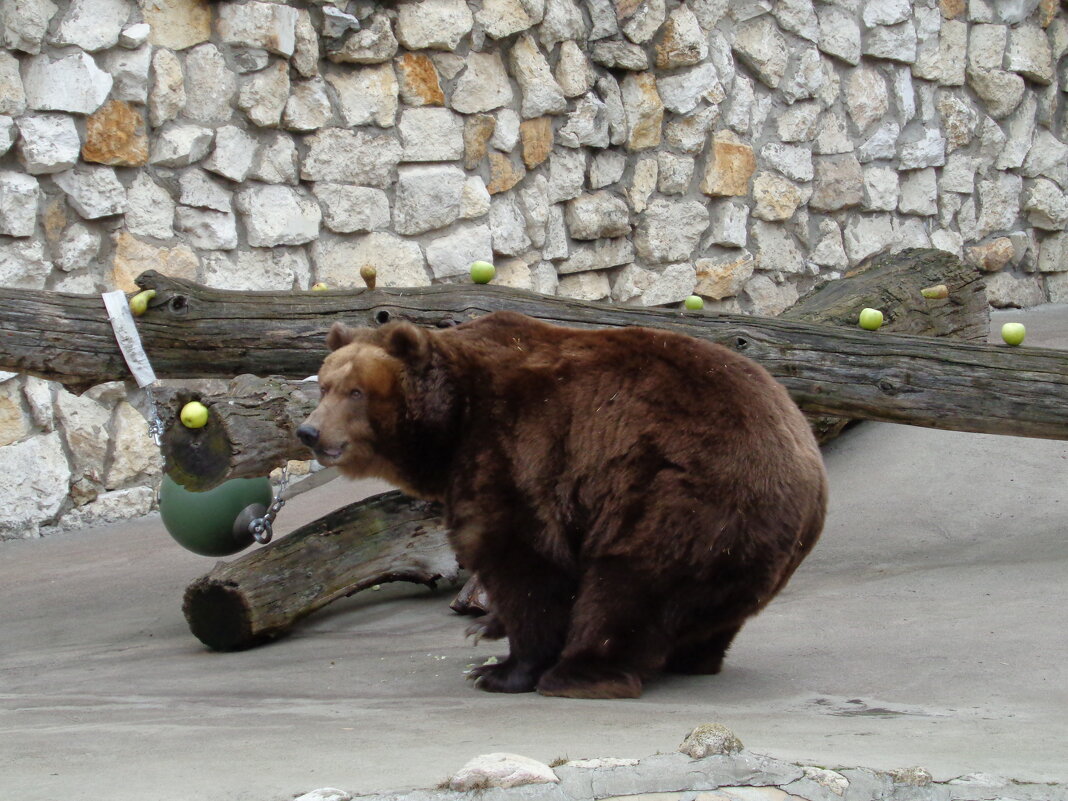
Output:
x=262 y=527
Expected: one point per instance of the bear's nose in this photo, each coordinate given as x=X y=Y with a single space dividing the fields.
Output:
x=309 y=435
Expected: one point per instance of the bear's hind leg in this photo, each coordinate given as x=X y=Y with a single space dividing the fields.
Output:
x=702 y=656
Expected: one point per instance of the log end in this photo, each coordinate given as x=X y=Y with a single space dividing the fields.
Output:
x=219 y=616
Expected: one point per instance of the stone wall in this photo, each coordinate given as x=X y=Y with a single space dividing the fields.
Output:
x=632 y=150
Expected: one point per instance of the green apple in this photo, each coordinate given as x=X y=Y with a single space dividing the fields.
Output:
x=194 y=415
x=694 y=303
x=1013 y=333
x=369 y=275
x=482 y=272
x=871 y=319
x=319 y=287
x=139 y=302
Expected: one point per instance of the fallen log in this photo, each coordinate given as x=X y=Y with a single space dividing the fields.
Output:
x=251 y=424
x=260 y=596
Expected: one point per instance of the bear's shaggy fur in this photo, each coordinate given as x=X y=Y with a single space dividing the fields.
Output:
x=628 y=497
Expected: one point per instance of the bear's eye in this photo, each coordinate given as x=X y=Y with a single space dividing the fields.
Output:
x=356 y=394
x=324 y=390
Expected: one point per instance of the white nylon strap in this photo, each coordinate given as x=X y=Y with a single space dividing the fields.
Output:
x=122 y=323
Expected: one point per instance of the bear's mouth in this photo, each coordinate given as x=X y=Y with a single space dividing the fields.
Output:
x=329 y=455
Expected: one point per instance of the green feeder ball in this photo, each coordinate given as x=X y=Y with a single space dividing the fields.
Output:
x=214 y=523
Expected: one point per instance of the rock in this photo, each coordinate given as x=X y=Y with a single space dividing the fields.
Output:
x=132 y=257
x=959 y=174
x=367 y=95
x=793 y=161
x=587 y=124
x=1007 y=291
x=723 y=277
x=537 y=138
x=351 y=209
x=556 y=244
x=839 y=183
x=431 y=134
x=206 y=229
x=708 y=740
x=766 y=298
x=167 y=98
x=597 y=215
x=478 y=128
x=434 y=24
x=805 y=76
x=958 y=120
x=1001 y=91
x=26 y=23
x=675 y=173
x=233 y=154
x=12 y=95
x=506 y=130
x=484 y=85
x=180 y=145
x=129 y=70
x=561 y=22
x=881 y=185
x=573 y=71
x=776 y=198
x=419 y=82
x=47 y=143
x=308 y=107
x=682 y=91
x=356 y=157
x=797 y=16
x=864 y=236
x=92 y=25
x=673 y=285
x=799 y=122
x=72 y=83
x=336 y=23
x=507 y=226
x=502 y=18
x=670 y=231
x=776 y=249
x=1048 y=157
x=427 y=197
x=645 y=21
x=728 y=219
x=617 y=55
x=278 y=215
x=15 y=424
x=690 y=132
x=839 y=33
x=919 y=193
x=892 y=42
x=277 y=269
x=681 y=42
x=32 y=497
x=882 y=144
x=177 y=24
x=263 y=95
x=268 y=26
x=599 y=255
x=643 y=183
x=999 y=203
x=475 y=199
x=952 y=49
x=78 y=248
x=762 y=48
x=930 y=151
x=1046 y=206
x=210 y=85
x=277 y=161
x=606 y=168
x=609 y=92
x=1029 y=54
x=1020 y=131
x=504 y=174
x=93 y=192
x=135 y=457
x=567 y=170
x=991 y=256
x=8 y=132
x=108 y=507
x=644 y=110
x=398 y=261
x=83 y=424
x=19 y=195
x=22 y=261
x=198 y=190
x=115 y=135
x=451 y=255
x=150 y=210
x=731 y=165
x=373 y=44
x=1053 y=259
x=540 y=92
x=588 y=286
x=866 y=96
x=829 y=250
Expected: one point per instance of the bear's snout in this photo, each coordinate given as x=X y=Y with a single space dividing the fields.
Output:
x=309 y=435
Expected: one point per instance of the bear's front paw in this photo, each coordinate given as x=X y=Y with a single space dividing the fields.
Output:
x=575 y=679
x=487 y=627
x=503 y=677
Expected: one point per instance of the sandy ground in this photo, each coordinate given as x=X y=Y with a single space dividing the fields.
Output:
x=927 y=628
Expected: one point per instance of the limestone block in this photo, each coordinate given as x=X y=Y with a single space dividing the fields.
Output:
x=674 y=173
x=167 y=98
x=478 y=128
x=672 y=285
x=776 y=248
x=681 y=42
x=710 y=739
x=537 y=138
x=372 y=44
x=150 y=209
x=233 y=155
x=210 y=85
x=263 y=95
x=958 y=118
x=573 y=71
x=793 y=161
x=305 y=46
x=1020 y=133
x=431 y=134
x=606 y=168
x=730 y=166
x=398 y=261
x=728 y=223
x=22 y=262
x=506 y=130
x=724 y=276
x=829 y=250
x=427 y=197
x=25 y=24
x=308 y=107
x=268 y=26
x=919 y=193
x=8 y=132
x=588 y=286
x=115 y=135
x=47 y=143
x=643 y=183
x=999 y=203
x=839 y=33
x=864 y=236
x=277 y=161
x=77 y=248
x=805 y=76
x=351 y=209
x=958 y=175
x=179 y=145
x=798 y=123
x=135 y=457
x=630 y=284
x=276 y=268
x=1048 y=157
x=84 y=426
x=610 y=93
x=540 y=92
x=19 y=195
x=892 y=42
x=886 y=12
x=670 y=231
x=92 y=25
x=597 y=215
x=451 y=255
x=839 y=182
x=129 y=70
x=93 y=192
x=881 y=189
x=866 y=96
x=278 y=215
x=355 y=157
x=367 y=95
x=71 y=83
x=15 y=424
x=1005 y=290
x=502 y=18
x=762 y=48
x=196 y=189
x=613 y=54
x=35 y=496
x=1029 y=54
x=797 y=16
x=1053 y=258
x=599 y=255
x=768 y=299
x=556 y=240
x=433 y=24
x=507 y=226
x=645 y=21
x=882 y=144
x=929 y=151
x=177 y=24
x=587 y=125
x=681 y=91
x=1046 y=206
x=952 y=53
x=474 y=199
x=776 y=198
x=567 y=170
x=132 y=257
x=561 y=22
x=504 y=174
x=418 y=81
x=689 y=133
x=644 y=110
x=12 y=95
x=205 y=229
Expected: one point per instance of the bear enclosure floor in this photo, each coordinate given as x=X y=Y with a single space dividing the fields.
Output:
x=927 y=628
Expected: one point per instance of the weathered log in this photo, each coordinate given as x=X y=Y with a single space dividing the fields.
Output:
x=259 y=597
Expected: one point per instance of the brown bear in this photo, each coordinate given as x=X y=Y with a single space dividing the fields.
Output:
x=628 y=497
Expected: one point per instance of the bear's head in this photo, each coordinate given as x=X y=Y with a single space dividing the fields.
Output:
x=385 y=407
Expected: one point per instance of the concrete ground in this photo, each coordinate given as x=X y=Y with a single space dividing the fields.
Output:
x=927 y=628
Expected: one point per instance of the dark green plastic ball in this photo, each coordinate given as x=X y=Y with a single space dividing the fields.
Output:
x=203 y=522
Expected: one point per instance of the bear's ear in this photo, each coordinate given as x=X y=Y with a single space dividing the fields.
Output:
x=340 y=335
x=406 y=342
